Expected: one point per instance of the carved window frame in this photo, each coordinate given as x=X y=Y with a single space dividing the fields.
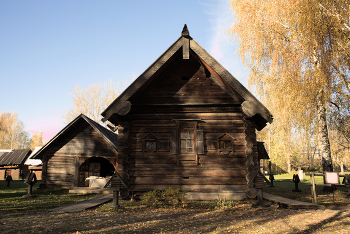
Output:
x=150 y=138
x=186 y=125
x=229 y=144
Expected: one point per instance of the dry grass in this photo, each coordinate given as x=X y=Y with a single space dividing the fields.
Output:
x=196 y=217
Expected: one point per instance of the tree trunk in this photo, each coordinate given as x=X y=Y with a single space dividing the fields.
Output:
x=289 y=165
x=324 y=145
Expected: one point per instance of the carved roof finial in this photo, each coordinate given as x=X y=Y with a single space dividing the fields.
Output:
x=185 y=32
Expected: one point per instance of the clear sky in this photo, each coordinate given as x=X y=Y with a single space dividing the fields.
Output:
x=47 y=47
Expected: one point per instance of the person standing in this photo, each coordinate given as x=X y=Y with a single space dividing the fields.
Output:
x=8 y=179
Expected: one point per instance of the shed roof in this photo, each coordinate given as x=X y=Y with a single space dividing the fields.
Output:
x=109 y=136
x=251 y=106
x=14 y=157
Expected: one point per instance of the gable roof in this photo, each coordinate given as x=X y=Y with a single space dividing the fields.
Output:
x=14 y=157
x=251 y=106
x=33 y=162
x=106 y=134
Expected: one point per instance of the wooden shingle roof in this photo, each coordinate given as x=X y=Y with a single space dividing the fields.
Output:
x=251 y=106
x=109 y=136
x=14 y=157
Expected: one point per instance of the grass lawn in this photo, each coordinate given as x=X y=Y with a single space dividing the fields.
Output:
x=11 y=200
x=284 y=186
x=29 y=215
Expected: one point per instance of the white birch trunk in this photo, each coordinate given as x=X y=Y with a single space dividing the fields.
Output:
x=324 y=145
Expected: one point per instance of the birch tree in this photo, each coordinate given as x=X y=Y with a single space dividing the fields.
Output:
x=91 y=101
x=12 y=133
x=36 y=140
x=298 y=55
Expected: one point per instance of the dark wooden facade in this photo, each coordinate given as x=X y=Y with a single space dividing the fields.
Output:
x=186 y=122
x=82 y=149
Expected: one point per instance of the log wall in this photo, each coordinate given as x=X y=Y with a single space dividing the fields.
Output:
x=65 y=155
x=186 y=96
x=208 y=173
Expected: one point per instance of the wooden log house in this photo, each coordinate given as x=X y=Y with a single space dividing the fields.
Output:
x=82 y=149
x=12 y=162
x=187 y=122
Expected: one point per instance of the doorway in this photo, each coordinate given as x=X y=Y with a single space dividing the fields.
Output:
x=94 y=166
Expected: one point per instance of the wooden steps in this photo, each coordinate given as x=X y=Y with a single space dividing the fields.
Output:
x=292 y=204
x=86 y=190
x=83 y=205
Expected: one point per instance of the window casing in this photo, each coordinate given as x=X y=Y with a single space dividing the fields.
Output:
x=225 y=144
x=186 y=142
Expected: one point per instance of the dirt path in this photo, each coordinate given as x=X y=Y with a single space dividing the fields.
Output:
x=241 y=219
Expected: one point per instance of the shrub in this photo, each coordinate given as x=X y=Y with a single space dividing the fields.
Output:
x=151 y=198
x=222 y=204
x=174 y=196
x=170 y=196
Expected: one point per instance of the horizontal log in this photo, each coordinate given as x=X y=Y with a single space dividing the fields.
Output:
x=188 y=173
x=184 y=109
x=189 y=167
x=188 y=100
x=61 y=170
x=153 y=161
x=182 y=181
x=59 y=162
x=203 y=116
x=59 y=180
x=210 y=160
x=217 y=155
x=140 y=155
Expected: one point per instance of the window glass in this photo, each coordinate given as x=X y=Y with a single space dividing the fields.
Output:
x=150 y=144
x=225 y=144
x=186 y=142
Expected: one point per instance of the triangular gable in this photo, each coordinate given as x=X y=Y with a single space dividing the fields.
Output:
x=106 y=134
x=189 y=47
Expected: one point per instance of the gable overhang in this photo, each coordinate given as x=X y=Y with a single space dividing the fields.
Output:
x=40 y=153
x=14 y=157
x=185 y=45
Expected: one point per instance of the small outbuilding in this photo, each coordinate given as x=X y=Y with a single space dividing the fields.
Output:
x=12 y=163
x=187 y=122
x=83 y=149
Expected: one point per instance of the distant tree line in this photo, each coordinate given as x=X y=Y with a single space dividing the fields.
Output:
x=13 y=135
x=93 y=100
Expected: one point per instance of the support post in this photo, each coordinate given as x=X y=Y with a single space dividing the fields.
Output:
x=313 y=188
x=115 y=198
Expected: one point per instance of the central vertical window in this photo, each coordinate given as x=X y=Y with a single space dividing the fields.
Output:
x=186 y=139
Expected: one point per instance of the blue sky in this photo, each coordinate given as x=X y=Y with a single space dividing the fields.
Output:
x=47 y=47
